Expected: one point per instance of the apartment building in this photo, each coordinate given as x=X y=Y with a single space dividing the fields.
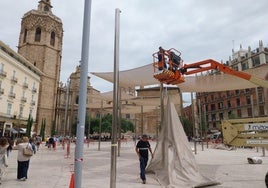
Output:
x=245 y=103
x=19 y=88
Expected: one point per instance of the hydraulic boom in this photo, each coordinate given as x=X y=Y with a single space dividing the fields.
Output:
x=172 y=72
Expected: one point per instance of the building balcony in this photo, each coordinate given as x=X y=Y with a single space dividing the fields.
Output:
x=34 y=90
x=23 y=99
x=2 y=91
x=25 y=85
x=12 y=95
x=3 y=73
x=14 y=79
x=32 y=102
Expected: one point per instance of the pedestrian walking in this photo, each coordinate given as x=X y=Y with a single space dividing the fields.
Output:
x=3 y=156
x=22 y=158
x=142 y=148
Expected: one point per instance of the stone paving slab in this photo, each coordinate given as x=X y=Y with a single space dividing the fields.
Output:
x=50 y=169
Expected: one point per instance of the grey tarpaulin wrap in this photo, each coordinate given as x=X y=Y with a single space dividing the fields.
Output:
x=174 y=163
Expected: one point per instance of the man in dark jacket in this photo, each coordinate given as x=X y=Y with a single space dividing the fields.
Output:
x=142 y=148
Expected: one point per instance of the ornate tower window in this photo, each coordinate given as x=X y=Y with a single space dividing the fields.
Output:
x=46 y=8
x=37 y=35
x=52 y=38
x=25 y=35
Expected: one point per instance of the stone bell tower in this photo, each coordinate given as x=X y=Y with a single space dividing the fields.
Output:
x=40 y=42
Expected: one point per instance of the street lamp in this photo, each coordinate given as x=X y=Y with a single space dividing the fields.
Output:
x=66 y=105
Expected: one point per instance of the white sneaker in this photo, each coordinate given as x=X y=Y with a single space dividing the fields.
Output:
x=23 y=179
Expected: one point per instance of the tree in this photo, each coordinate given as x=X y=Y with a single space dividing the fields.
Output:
x=186 y=125
x=87 y=125
x=43 y=128
x=94 y=125
x=29 y=126
x=53 y=129
x=127 y=125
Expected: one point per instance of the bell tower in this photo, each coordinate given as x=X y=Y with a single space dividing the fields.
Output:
x=40 y=42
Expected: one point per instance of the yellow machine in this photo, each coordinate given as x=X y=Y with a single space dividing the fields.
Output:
x=246 y=132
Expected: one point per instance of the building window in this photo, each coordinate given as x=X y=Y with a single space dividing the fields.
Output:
x=261 y=110
x=249 y=112
x=31 y=112
x=220 y=105
x=25 y=35
x=260 y=98
x=9 y=107
x=37 y=35
x=256 y=61
x=248 y=100
x=245 y=66
x=213 y=117
x=1 y=67
x=237 y=102
x=214 y=125
x=128 y=116
x=46 y=8
x=21 y=112
x=229 y=104
x=221 y=116
x=11 y=91
x=239 y=114
x=52 y=38
x=212 y=106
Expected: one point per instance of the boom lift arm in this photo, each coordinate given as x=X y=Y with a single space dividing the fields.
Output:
x=176 y=76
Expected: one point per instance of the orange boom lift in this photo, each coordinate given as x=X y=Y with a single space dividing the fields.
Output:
x=173 y=72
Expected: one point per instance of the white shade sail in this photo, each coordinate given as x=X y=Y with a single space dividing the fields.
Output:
x=143 y=76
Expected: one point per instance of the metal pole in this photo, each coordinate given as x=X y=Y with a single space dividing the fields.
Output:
x=205 y=122
x=119 y=121
x=200 y=124
x=162 y=105
x=82 y=97
x=66 y=106
x=142 y=127
x=100 y=125
x=115 y=101
x=193 y=116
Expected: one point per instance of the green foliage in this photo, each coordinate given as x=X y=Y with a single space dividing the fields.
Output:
x=87 y=124
x=94 y=125
x=43 y=128
x=232 y=116
x=126 y=125
x=29 y=126
x=107 y=123
x=53 y=129
x=186 y=125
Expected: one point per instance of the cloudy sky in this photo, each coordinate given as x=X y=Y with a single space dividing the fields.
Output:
x=200 y=29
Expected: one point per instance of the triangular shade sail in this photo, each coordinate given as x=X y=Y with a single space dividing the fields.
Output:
x=174 y=163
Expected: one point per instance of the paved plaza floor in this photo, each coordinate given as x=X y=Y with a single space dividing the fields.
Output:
x=50 y=169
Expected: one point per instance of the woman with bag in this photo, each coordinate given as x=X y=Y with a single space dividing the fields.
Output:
x=3 y=156
x=25 y=152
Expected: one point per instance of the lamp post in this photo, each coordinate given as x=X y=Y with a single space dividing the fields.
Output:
x=66 y=105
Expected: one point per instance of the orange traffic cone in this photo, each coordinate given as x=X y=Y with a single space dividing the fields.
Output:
x=72 y=181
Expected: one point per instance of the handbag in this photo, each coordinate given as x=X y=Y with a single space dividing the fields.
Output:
x=27 y=151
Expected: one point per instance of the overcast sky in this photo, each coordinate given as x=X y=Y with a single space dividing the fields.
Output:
x=200 y=29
